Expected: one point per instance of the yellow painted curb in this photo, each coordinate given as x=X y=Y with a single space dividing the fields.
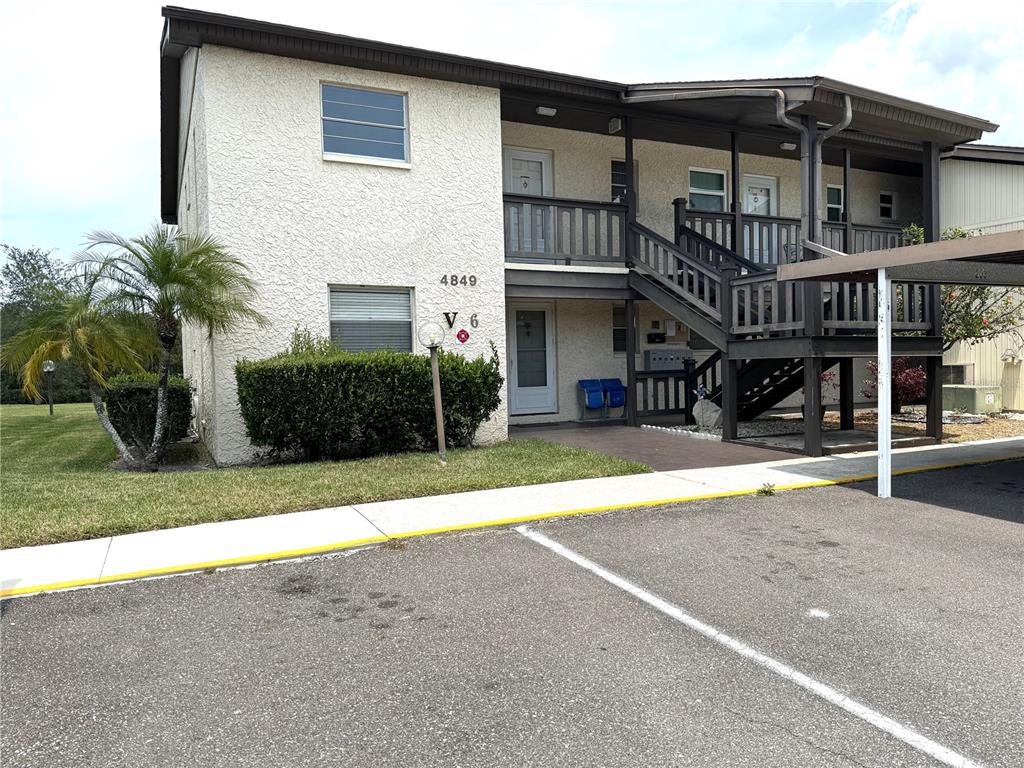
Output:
x=339 y=546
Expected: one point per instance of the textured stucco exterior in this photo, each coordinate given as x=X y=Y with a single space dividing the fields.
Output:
x=303 y=224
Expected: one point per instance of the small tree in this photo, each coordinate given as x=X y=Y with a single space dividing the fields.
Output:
x=175 y=278
x=974 y=313
x=908 y=382
x=89 y=327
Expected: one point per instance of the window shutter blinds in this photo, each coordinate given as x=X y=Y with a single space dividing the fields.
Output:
x=363 y=320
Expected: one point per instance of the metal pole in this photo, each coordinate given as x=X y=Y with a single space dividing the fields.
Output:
x=884 y=386
x=49 y=390
x=435 y=374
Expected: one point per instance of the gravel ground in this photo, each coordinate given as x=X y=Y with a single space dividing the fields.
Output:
x=1004 y=425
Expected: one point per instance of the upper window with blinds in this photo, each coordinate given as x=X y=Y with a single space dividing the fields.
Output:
x=367 y=319
x=361 y=124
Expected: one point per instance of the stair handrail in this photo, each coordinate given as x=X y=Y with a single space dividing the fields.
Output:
x=702 y=289
x=740 y=262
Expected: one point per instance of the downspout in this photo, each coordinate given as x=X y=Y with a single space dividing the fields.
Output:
x=806 y=151
x=841 y=125
x=810 y=151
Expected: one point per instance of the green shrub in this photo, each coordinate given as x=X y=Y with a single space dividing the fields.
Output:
x=336 y=404
x=131 y=403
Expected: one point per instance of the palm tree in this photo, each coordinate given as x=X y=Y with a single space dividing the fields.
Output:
x=89 y=326
x=175 y=278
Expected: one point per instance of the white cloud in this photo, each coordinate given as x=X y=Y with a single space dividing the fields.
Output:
x=79 y=139
x=968 y=59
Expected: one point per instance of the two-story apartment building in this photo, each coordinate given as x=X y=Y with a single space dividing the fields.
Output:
x=574 y=223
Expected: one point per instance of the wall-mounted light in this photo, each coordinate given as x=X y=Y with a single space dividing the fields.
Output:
x=547 y=111
x=615 y=125
x=1010 y=356
x=789 y=146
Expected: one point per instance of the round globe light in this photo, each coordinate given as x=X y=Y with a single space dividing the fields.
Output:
x=431 y=334
x=49 y=366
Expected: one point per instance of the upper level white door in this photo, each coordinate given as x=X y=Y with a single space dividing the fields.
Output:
x=527 y=172
x=761 y=195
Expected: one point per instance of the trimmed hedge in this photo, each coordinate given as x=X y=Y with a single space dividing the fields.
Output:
x=337 y=404
x=131 y=405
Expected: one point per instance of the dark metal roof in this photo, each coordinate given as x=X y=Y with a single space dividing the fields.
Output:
x=880 y=120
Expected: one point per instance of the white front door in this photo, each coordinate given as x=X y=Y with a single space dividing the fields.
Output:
x=527 y=172
x=760 y=196
x=531 y=359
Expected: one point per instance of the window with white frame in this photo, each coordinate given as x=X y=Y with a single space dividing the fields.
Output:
x=834 y=203
x=886 y=205
x=707 y=190
x=364 y=124
x=367 y=319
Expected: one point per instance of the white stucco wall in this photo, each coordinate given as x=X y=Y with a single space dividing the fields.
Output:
x=303 y=224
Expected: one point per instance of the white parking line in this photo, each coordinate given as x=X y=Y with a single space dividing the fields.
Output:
x=832 y=696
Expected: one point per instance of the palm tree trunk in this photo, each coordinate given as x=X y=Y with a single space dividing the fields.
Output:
x=156 y=447
x=101 y=413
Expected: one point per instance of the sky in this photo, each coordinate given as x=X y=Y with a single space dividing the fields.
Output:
x=79 y=116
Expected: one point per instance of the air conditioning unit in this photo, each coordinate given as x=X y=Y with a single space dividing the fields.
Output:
x=972 y=398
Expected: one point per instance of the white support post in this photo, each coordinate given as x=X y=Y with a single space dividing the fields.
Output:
x=884 y=385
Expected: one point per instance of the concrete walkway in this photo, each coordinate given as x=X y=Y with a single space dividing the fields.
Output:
x=30 y=570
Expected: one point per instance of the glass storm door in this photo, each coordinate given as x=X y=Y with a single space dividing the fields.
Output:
x=531 y=355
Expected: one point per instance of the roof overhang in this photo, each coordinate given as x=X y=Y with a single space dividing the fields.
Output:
x=885 y=125
x=996 y=259
x=986 y=153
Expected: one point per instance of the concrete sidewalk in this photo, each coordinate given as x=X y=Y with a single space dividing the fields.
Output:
x=30 y=570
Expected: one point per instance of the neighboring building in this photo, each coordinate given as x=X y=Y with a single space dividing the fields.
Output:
x=982 y=190
x=371 y=187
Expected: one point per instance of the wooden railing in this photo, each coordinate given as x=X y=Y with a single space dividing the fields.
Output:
x=707 y=250
x=697 y=282
x=763 y=306
x=853 y=307
x=562 y=231
x=773 y=240
x=659 y=392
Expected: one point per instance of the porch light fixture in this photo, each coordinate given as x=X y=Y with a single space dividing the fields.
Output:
x=789 y=146
x=547 y=111
x=615 y=125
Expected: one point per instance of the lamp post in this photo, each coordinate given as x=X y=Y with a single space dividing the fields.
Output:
x=431 y=336
x=48 y=368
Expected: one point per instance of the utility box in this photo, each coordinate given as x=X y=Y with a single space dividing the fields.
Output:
x=666 y=359
x=972 y=398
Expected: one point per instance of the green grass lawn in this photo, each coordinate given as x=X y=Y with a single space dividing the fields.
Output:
x=55 y=484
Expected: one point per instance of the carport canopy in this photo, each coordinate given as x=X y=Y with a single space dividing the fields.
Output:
x=994 y=260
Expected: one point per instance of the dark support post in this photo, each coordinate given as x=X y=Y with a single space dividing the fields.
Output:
x=847 y=221
x=730 y=398
x=737 y=200
x=808 y=178
x=631 y=388
x=933 y=397
x=689 y=390
x=932 y=233
x=930 y=192
x=812 y=406
x=730 y=387
x=631 y=178
x=846 y=394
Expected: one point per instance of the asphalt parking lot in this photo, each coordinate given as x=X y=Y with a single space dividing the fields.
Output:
x=494 y=648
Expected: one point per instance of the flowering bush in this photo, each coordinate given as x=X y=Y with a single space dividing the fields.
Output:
x=908 y=382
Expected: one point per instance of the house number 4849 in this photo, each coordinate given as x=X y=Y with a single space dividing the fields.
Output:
x=457 y=280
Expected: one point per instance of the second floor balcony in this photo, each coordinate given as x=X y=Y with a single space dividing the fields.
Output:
x=551 y=230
